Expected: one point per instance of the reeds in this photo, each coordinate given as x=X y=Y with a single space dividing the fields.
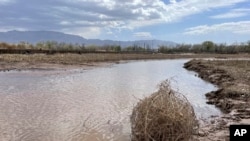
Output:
x=164 y=116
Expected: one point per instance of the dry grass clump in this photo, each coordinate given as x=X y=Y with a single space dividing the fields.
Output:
x=164 y=116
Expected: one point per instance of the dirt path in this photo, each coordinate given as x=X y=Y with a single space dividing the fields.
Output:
x=233 y=95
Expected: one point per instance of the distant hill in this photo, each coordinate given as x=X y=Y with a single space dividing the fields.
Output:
x=40 y=36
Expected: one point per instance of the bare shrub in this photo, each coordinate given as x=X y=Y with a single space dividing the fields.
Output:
x=164 y=116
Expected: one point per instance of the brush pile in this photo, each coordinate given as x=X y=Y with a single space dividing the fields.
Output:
x=166 y=115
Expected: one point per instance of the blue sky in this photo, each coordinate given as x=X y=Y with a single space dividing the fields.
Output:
x=181 y=21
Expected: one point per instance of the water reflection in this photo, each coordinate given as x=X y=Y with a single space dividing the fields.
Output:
x=88 y=104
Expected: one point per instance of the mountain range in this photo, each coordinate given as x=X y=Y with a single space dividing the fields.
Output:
x=34 y=37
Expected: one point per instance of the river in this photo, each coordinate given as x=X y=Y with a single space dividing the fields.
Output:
x=92 y=104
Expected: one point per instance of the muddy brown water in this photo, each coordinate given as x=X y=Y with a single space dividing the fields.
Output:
x=95 y=104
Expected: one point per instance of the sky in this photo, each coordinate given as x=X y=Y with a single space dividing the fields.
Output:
x=181 y=21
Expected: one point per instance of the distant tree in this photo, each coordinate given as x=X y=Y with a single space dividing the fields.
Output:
x=208 y=46
x=82 y=47
x=196 y=48
x=39 y=45
x=165 y=49
x=91 y=48
x=248 y=47
x=22 y=45
x=117 y=48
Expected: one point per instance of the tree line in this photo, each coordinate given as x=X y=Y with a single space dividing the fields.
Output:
x=56 y=47
x=207 y=47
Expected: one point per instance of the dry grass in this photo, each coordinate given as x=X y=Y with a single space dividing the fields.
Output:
x=164 y=116
x=237 y=70
x=97 y=57
x=233 y=79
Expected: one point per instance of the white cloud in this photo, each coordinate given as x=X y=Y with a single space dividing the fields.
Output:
x=65 y=23
x=102 y=15
x=4 y=2
x=138 y=13
x=241 y=27
x=172 y=1
x=143 y=35
x=235 y=13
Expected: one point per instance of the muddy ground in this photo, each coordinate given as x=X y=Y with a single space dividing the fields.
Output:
x=44 y=61
x=233 y=95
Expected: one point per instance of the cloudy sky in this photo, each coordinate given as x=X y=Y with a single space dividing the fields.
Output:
x=182 y=21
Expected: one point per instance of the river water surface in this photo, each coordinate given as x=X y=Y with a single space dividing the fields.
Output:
x=95 y=104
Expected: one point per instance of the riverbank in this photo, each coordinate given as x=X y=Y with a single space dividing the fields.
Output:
x=233 y=95
x=217 y=129
x=58 y=61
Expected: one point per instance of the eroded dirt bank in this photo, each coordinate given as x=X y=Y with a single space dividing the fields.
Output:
x=233 y=95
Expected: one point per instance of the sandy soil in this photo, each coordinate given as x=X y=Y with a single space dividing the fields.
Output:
x=233 y=95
